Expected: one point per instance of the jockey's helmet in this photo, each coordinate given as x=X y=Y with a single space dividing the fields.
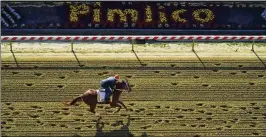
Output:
x=116 y=76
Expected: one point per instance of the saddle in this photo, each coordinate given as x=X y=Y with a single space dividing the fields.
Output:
x=101 y=95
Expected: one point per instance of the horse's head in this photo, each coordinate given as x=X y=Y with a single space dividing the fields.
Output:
x=123 y=84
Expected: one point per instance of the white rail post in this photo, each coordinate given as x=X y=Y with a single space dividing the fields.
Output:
x=193 y=43
x=11 y=48
x=72 y=49
x=132 y=43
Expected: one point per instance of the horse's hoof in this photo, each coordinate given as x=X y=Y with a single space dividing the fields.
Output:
x=97 y=114
x=66 y=103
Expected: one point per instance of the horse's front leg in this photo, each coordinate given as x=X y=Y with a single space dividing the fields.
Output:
x=116 y=105
x=120 y=102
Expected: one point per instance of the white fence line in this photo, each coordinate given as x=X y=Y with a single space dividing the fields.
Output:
x=125 y=38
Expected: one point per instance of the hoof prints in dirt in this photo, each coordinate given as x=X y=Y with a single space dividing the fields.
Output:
x=29 y=84
x=217 y=64
x=224 y=109
x=174 y=84
x=209 y=118
x=144 y=65
x=228 y=126
x=233 y=73
x=215 y=70
x=14 y=73
x=158 y=121
x=199 y=104
x=251 y=83
x=196 y=77
x=180 y=116
x=253 y=104
x=76 y=71
x=224 y=106
x=36 y=107
x=11 y=108
x=10 y=120
x=105 y=72
x=16 y=113
x=37 y=74
x=62 y=77
x=193 y=125
x=56 y=112
x=205 y=85
x=80 y=120
x=33 y=115
x=132 y=104
x=202 y=125
x=145 y=127
x=6 y=114
x=198 y=119
x=128 y=76
x=65 y=108
x=62 y=125
x=60 y=86
x=8 y=104
x=201 y=111
x=183 y=125
x=255 y=133
x=53 y=125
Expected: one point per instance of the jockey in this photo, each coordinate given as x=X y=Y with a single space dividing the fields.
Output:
x=108 y=85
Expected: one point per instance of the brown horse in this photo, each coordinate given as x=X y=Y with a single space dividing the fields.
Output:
x=90 y=97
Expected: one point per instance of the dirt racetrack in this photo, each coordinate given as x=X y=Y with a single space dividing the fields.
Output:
x=219 y=90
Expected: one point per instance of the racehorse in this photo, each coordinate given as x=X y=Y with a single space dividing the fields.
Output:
x=91 y=95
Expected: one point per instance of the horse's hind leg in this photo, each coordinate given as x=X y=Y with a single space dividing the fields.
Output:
x=79 y=98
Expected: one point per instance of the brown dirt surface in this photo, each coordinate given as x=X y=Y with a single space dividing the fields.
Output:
x=218 y=90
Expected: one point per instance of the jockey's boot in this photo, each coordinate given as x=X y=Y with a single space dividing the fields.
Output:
x=107 y=102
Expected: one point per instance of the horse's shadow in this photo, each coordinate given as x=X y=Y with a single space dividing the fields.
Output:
x=122 y=132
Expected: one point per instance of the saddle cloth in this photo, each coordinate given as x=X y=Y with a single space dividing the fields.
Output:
x=101 y=95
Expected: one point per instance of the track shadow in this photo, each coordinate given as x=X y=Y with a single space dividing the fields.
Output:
x=138 y=58
x=77 y=58
x=122 y=132
x=258 y=57
x=15 y=59
x=198 y=58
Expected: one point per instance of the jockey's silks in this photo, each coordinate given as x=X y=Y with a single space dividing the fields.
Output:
x=109 y=82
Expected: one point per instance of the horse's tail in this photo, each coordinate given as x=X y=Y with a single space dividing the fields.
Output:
x=73 y=102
